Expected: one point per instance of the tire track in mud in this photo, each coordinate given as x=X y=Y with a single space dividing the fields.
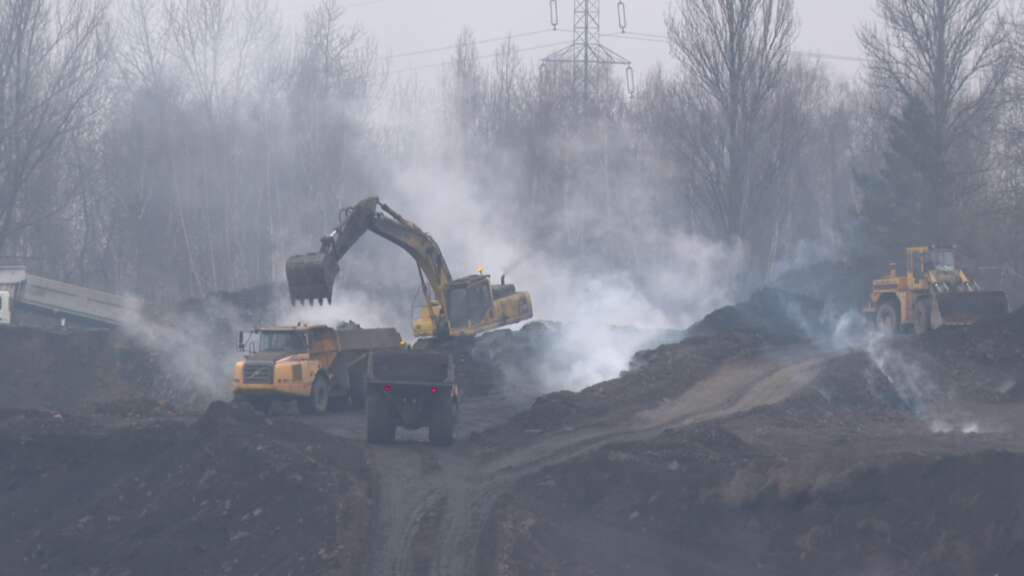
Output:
x=432 y=504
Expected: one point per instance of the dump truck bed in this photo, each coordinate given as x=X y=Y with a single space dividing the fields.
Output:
x=410 y=367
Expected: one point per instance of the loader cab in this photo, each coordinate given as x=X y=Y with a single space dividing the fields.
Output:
x=5 y=307
x=941 y=259
x=916 y=260
x=469 y=301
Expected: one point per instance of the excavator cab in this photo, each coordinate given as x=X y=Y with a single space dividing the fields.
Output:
x=469 y=301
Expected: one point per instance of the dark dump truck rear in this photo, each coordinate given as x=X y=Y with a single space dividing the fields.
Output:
x=412 y=389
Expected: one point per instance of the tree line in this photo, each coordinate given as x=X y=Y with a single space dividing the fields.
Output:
x=180 y=147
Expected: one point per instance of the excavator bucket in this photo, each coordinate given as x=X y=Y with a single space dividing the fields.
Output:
x=311 y=277
x=964 y=308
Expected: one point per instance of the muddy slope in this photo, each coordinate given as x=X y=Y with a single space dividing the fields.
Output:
x=839 y=478
x=233 y=493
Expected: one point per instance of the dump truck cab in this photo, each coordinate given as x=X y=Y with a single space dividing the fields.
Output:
x=933 y=292
x=320 y=367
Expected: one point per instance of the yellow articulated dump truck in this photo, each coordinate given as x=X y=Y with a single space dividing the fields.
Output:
x=934 y=292
x=319 y=367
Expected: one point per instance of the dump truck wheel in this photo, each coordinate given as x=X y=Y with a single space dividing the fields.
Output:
x=380 y=426
x=887 y=319
x=442 y=422
x=318 y=398
x=922 y=316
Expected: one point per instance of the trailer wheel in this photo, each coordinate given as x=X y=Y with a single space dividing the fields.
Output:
x=442 y=422
x=316 y=402
x=887 y=319
x=922 y=316
x=380 y=426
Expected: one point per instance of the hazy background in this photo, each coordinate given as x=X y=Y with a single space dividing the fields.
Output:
x=405 y=26
x=176 y=149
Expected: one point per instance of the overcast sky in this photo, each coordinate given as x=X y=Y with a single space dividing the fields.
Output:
x=404 y=26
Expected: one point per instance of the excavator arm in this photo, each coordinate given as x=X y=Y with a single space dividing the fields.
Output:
x=454 y=307
x=311 y=276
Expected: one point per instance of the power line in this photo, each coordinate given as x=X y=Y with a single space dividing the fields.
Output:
x=641 y=37
x=484 y=57
x=451 y=46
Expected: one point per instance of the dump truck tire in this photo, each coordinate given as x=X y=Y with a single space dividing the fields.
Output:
x=318 y=398
x=380 y=426
x=442 y=422
x=922 y=316
x=887 y=319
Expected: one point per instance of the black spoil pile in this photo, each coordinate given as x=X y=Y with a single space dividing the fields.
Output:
x=655 y=375
x=705 y=501
x=841 y=285
x=984 y=361
x=842 y=475
x=85 y=371
x=773 y=316
x=233 y=493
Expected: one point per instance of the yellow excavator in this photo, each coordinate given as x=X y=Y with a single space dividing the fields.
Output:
x=464 y=306
x=934 y=292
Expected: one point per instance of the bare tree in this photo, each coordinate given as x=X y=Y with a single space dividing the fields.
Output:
x=948 y=61
x=735 y=54
x=52 y=57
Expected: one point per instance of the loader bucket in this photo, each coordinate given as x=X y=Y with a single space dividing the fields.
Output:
x=964 y=308
x=311 y=277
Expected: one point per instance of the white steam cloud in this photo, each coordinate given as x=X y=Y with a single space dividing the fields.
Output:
x=910 y=380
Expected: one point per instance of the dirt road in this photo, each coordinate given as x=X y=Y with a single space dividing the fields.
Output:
x=431 y=504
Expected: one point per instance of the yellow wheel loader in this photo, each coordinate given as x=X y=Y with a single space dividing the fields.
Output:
x=454 y=307
x=934 y=292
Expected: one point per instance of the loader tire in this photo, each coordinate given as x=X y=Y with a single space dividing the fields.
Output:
x=442 y=422
x=922 y=316
x=380 y=426
x=887 y=320
x=319 y=397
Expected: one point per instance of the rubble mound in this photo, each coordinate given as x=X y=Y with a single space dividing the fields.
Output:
x=665 y=372
x=233 y=493
x=849 y=392
x=984 y=361
x=703 y=500
x=76 y=371
x=774 y=316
